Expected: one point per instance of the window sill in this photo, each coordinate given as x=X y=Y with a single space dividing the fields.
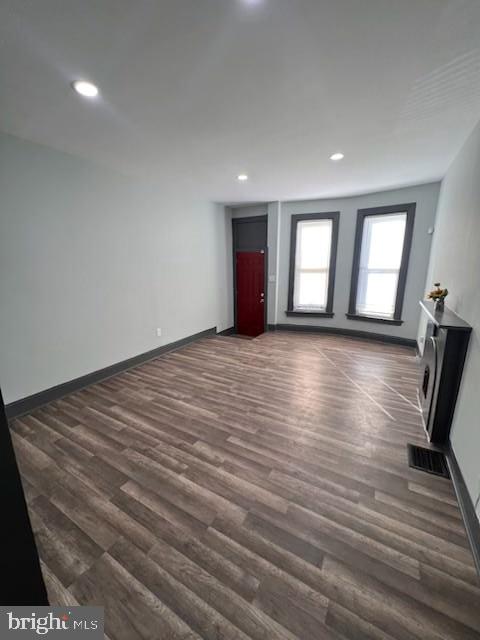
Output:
x=313 y=314
x=392 y=321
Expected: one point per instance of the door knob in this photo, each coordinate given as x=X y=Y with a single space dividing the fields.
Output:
x=262 y=300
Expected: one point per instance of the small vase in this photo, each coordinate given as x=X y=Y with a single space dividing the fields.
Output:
x=440 y=304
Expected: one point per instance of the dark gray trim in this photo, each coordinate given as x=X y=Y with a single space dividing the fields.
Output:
x=334 y=216
x=227 y=332
x=409 y=208
x=245 y=219
x=352 y=333
x=470 y=520
x=356 y=316
x=312 y=314
x=25 y=405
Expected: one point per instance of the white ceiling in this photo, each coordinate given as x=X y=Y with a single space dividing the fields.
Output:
x=205 y=89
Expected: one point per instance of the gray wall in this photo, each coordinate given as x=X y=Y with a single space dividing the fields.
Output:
x=274 y=210
x=455 y=262
x=279 y=223
x=92 y=262
x=426 y=198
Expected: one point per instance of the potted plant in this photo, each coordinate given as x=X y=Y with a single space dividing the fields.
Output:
x=438 y=296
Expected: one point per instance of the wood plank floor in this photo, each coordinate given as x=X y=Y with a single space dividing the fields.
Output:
x=250 y=489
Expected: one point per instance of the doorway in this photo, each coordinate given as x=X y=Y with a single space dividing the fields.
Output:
x=249 y=274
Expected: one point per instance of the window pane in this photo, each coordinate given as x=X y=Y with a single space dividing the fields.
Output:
x=313 y=244
x=380 y=294
x=311 y=290
x=312 y=262
x=380 y=260
x=382 y=243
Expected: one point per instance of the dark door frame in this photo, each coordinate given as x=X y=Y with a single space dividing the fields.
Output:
x=21 y=580
x=235 y=223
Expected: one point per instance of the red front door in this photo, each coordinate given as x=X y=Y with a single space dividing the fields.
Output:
x=250 y=276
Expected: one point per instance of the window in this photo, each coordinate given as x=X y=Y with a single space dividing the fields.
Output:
x=313 y=251
x=382 y=248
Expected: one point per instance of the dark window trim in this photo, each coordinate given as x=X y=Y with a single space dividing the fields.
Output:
x=380 y=320
x=334 y=216
x=409 y=208
x=314 y=314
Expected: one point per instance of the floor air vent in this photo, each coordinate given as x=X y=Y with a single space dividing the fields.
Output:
x=427 y=460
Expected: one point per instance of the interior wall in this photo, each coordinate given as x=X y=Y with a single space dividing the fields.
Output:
x=221 y=219
x=425 y=196
x=92 y=262
x=455 y=262
x=274 y=210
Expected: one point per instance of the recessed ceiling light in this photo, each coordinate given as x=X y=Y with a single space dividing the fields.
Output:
x=85 y=89
x=242 y=177
x=337 y=156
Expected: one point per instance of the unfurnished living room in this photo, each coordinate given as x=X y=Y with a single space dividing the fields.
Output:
x=240 y=319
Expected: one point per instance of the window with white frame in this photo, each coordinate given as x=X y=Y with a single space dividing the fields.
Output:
x=314 y=239
x=383 y=245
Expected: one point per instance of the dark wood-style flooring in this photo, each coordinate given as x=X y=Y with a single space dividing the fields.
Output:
x=250 y=489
